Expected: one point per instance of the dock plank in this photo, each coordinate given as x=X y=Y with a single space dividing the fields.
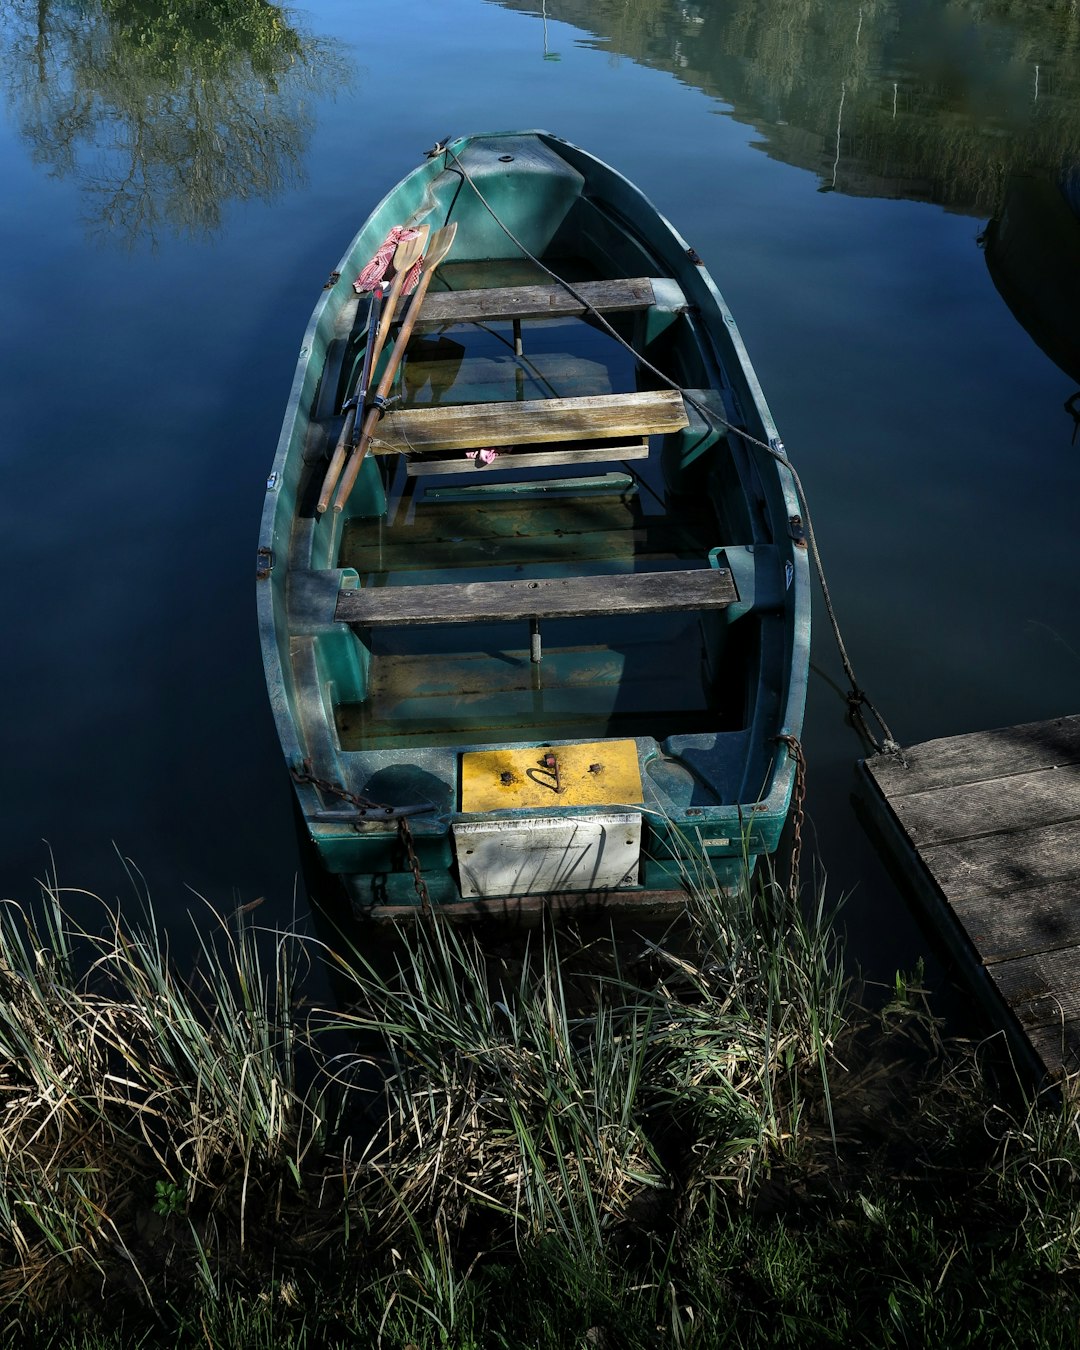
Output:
x=1006 y=860
x=1058 y=1043
x=952 y=760
x=985 y=830
x=969 y=810
x=1008 y=921
x=1041 y=990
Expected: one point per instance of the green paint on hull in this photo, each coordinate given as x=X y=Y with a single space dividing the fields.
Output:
x=382 y=716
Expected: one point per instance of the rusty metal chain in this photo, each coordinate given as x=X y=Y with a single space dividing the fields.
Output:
x=798 y=796
x=405 y=834
x=304 y=775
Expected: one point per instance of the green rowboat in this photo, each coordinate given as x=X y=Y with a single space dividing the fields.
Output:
x=541 y=634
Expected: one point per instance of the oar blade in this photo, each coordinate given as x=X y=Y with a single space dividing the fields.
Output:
x=441 y=242
x=409 y=250
x=405 y=256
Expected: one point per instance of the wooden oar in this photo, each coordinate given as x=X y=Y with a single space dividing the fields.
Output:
x=441 y=241
x=405 y=255
x=355 y=403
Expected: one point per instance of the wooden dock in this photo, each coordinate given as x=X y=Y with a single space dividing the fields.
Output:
x=984 y=829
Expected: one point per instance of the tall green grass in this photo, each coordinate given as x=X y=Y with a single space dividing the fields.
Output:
x=121 y=1081
x=687 y=1138
x=569 y=1090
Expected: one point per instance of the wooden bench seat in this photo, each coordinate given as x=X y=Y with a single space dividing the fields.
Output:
x=468 y=426
x=530 y=457
x=542 y=598
x=548 y=301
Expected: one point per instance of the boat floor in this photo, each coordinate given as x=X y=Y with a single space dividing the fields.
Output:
x=453 y=684
x=447 y=539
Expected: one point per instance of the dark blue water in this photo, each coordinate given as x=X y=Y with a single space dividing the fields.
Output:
x=173 y=200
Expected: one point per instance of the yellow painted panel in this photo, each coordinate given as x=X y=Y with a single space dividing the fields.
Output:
x=594 y=773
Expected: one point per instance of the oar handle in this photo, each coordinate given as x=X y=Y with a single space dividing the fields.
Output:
x=359 y=397
x=371 y=421
x=337 y=461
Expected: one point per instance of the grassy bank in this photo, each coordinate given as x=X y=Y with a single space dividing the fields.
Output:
x=693 y=1139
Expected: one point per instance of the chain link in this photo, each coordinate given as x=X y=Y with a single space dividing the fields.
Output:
x=405 y=834
x=419 y=883
x=304 y=775
x=798 y=796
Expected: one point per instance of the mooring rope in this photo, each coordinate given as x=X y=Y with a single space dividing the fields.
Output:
x=857 y=699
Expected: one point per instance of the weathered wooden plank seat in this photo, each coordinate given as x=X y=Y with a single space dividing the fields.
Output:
x=468 y=426
x=548 y=301
x=531 y=457
x=540 y=598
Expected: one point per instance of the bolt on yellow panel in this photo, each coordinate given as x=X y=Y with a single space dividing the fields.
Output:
x=595 y=773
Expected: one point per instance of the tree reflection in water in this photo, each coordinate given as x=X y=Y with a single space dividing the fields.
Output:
x=165 y=112
x=880 y=98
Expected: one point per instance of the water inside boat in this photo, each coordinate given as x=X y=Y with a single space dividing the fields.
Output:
x=614 y=675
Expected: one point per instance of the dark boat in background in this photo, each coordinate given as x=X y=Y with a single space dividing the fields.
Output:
x=1032 y=249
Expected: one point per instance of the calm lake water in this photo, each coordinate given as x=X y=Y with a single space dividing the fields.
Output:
x=178 y=182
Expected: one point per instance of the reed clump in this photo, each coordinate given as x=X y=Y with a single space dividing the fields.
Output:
x=687 y=1138
x=573 y=1089
x=130 y=1096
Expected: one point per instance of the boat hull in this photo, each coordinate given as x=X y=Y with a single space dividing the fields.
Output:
x=379 y=714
